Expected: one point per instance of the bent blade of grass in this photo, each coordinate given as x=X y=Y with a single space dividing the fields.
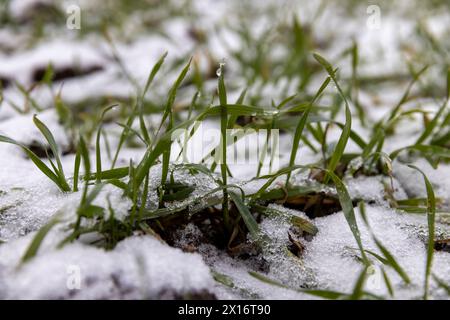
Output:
x=124 y=135
x=249 y=220
x=116 y=173
x=144 y=139
x=301 y=125
x=349 y=213
x=150 y=79
x=271 y=178
x=37 y=161
x=28 y=98
x=432 y=125
x=405 y=96
x=343 y=139
x=431 y=213
x=55 y=150
x=388 y=256
x=387 y=282
x=392 y=262
x=168 y=112
x=153 y=73
x=98 y=156
x=442 y=284
x=432 y=150
x=358 y=289
x=173 y=92
x=163 y=212
x=376 y=139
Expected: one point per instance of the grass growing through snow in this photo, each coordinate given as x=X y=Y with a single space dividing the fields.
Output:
x=160 y=145
x=307 y=118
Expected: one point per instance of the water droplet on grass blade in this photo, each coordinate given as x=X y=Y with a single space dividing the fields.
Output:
x=219 y=70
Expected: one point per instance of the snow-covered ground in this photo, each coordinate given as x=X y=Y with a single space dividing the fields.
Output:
x=142 y=266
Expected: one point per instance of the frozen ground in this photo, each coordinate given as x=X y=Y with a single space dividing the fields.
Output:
x=143 y=266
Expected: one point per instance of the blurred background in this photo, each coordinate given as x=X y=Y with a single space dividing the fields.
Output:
x=103 y=50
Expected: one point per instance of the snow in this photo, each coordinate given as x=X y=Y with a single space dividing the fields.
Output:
x=332 y=252
x=140 y=267
x=408 y=177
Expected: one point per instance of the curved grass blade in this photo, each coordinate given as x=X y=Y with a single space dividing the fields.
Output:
x=431 y=213
x=301 y=126
x=388 y=256
x=358 y=290
x=98 y=156
x=37 y=240
x=425 y=150
x=37 y=161
x=343 y=139
x=55 y=150
x=349 y=213
x=168 y=112
x=249 y=220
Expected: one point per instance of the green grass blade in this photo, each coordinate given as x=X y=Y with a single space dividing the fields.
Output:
x=249 y=220
x=76 y=170
x=37 y=240
x=116 y=173
x=431 y=213
x=153 y=73
x=442 y=284
x=388 y=256
x=301 y=125
x=150 y=79
x=124 y=135
x=358 y=290
x=425 y=150
x=98 y=156
x=168 y=112
x=405 y=96
x=36 y=160
x=223 y=142
x=55 y=150
x=349 y=213
x=392 y=262
x=387 y=282
x=343 y=139
x=173 y=93
x=433 y=123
